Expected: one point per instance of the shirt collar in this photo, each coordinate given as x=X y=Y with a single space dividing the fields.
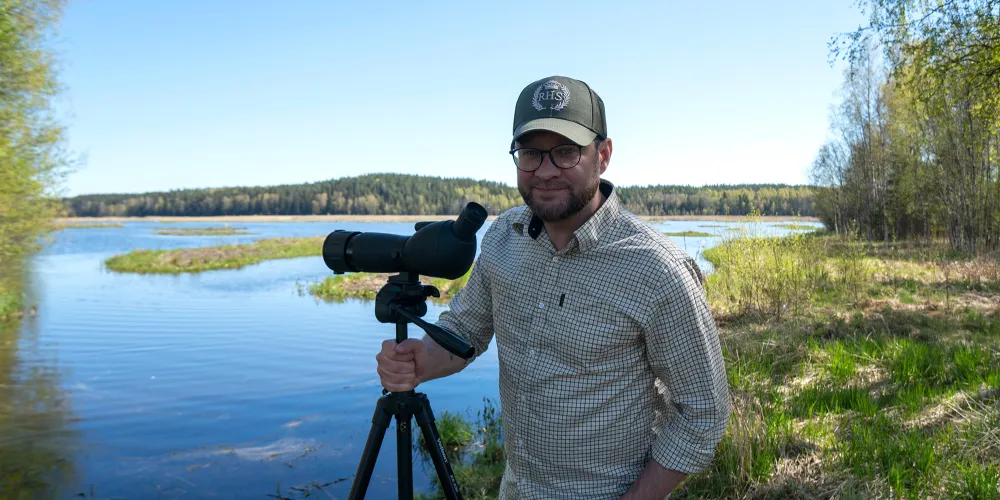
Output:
x=589 y=234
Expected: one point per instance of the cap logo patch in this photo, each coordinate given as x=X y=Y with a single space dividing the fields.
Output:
x=552 y=95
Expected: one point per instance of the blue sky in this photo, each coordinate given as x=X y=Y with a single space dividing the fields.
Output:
x=188 y=94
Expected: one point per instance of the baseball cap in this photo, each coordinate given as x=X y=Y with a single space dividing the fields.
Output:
x=563 y=105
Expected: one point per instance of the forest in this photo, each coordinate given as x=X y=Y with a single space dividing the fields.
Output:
x=402 y=194
x=914 y=145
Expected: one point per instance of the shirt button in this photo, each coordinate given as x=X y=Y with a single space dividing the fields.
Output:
x=541 y=305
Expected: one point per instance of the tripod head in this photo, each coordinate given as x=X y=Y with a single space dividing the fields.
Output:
x=404 y=299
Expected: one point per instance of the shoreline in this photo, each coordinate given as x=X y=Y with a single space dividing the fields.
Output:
x=395 y=218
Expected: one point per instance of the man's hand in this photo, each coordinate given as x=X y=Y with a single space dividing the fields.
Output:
x=401 y=366
x=655 y=482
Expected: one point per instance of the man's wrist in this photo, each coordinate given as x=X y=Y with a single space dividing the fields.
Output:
x=655 y=482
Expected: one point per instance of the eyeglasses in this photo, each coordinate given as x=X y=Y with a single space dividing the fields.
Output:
x=564 y=156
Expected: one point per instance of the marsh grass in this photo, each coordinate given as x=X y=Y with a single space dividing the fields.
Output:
x=203 y=231
x=760 y=276
x=365 y=286
x=475 y=450
x=690 y=234
x=797 y=227
x=886 y=364
x=193 y=260
x=86 y=225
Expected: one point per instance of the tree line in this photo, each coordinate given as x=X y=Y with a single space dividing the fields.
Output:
x=403 y=194
x=914 y=150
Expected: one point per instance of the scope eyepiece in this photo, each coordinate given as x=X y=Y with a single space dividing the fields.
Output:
x=469 y=221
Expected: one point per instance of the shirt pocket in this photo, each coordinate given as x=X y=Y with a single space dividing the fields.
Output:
x=596 y=332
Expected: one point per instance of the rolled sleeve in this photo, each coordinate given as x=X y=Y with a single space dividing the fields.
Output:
x=684 y=350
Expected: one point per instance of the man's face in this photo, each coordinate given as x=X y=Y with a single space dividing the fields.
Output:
x=554 y=193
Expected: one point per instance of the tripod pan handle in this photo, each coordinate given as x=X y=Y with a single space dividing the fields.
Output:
x=453 y=343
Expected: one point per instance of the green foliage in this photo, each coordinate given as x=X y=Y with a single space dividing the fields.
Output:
x=479 y=465
x=401 y=194
x=33 y=409
x=31 y=159
x=917 y=135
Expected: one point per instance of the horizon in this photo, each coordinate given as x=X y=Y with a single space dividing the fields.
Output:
x=511 y=186
x=162 y=98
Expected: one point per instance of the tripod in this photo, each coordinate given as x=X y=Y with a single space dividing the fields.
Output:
x=400 y=301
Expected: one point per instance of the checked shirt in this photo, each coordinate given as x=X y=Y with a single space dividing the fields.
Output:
x=609 y=355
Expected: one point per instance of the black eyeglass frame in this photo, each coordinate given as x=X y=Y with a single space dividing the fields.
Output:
x=548 y=152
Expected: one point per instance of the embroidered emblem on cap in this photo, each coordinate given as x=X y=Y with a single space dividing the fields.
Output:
x=552 y=95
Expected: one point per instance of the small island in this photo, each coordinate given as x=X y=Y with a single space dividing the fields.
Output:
x=86 y=225
x=193 y=260
x=203 y=231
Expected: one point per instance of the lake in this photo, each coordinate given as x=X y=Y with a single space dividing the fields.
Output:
x=223 y=384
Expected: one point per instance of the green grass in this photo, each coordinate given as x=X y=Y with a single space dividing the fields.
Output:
x=203 y=231
x=193 y=260
x=690 y=234
x=876 y=446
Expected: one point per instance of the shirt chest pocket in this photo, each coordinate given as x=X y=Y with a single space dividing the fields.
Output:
x=596 y=333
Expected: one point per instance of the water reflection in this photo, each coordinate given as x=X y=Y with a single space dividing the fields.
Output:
x=35 y=415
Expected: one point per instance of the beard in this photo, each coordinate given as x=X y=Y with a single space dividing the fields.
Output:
x=555 y=211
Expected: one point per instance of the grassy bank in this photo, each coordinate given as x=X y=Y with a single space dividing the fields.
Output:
x=856 y=371
x=190 y=260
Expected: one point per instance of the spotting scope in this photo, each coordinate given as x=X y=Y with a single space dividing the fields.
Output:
x=443 y=249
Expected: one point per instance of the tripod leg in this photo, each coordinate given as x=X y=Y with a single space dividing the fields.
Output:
x=380 y=422
x=404 y=451
x=425 y=419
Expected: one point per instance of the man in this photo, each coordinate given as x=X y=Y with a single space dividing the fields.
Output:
x=612 y=383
